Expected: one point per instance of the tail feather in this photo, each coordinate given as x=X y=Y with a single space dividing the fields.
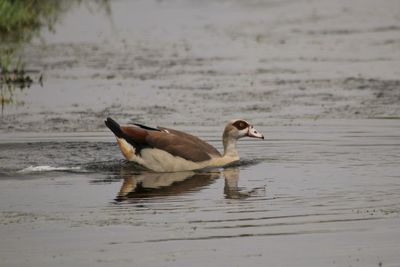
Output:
x=114 y=127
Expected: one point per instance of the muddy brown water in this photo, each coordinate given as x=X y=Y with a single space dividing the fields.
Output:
x=318 y=78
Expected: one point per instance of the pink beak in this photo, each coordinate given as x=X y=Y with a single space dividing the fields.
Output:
x=252 y=132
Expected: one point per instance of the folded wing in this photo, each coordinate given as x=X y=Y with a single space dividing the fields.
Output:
x=175 y=142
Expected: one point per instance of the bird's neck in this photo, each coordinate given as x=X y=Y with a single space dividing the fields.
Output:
x=230 y=148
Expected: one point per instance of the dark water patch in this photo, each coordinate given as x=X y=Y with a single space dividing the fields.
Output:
x=111 y=166
x=303 y=223
x=386 y=117
x=264 y=218
x=276 y=71
x=59 y=156
x=389 y=28
x=378 y=84
x=186 y=87
x=389 y=42
x=258 y=108
x=218 y=237
x=324 y=59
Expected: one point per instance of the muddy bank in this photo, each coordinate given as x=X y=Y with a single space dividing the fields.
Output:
x=204 y=63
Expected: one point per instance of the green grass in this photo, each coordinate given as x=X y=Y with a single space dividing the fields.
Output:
x=21 y=19
x=16 y=16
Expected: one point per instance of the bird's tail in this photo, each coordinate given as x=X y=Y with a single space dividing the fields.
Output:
x=114 y=127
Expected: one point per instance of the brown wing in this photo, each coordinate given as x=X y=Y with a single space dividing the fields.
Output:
x=204 y=146
x=176 y=143
x=177 y=146
x=135 y=136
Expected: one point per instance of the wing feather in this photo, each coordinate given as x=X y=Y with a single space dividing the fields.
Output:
x=177 y=146
x=204 y=146
x=177 y=143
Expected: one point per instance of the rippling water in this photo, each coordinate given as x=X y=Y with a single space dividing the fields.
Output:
x=323 y=192
x=312 y=195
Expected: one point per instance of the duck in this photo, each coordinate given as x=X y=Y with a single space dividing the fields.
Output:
x=163 y=149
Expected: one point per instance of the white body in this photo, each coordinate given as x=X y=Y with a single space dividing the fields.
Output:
x=162 y=161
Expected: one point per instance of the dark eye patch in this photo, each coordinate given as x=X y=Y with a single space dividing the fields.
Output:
x=240 y=125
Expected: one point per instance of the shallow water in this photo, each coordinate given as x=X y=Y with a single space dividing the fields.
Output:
x=189 y=63
x=314 y=77
x=324 y=193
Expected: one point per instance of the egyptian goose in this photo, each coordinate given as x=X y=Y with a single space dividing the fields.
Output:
x=166 y=150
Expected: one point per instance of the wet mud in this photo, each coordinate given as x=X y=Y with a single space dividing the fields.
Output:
x=264 y=61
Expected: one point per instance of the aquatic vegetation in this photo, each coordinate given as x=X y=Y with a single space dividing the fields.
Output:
x=20 y=22
x=12 y=75
x=21 y=19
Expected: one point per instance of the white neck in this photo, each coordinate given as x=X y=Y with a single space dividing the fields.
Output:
x=230 y=148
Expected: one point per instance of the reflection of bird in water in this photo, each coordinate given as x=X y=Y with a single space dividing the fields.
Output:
x=232 y=189
x=149 y=184
x=168 y=150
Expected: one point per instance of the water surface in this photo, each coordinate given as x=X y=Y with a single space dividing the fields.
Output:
x=320 y=79
x=325 y=193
